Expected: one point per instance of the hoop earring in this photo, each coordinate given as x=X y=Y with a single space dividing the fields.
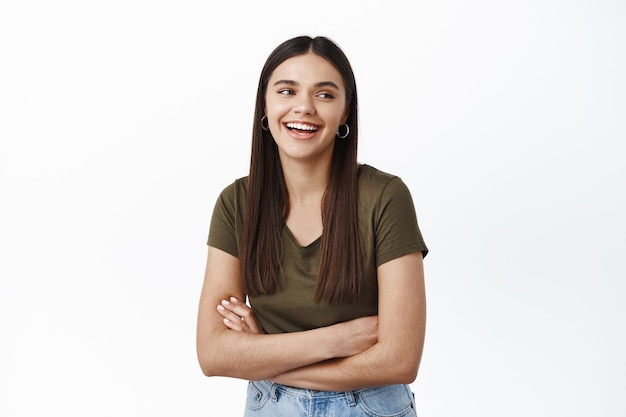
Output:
x=265 y=124
x=344 y=135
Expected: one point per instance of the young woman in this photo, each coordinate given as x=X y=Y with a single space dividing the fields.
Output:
x=327 y=251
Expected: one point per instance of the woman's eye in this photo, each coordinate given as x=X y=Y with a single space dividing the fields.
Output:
x=285 y=91
x=325 y=95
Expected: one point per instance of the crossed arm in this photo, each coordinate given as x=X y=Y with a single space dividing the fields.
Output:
x=364 y=352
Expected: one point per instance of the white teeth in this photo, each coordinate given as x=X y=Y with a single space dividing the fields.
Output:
x=301 y=126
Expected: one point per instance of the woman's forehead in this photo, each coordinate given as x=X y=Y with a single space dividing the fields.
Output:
x=308 y=68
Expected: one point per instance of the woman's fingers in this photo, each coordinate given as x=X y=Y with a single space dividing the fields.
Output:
x=231 y=320
x=356 y=335
x=238 y=316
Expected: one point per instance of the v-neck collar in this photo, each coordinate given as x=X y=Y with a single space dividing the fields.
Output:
x=311 y=246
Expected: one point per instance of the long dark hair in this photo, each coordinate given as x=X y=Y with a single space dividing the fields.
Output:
x=267 y=201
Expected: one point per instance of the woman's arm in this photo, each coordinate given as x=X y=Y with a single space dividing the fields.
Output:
x=396 y=356
x=222 y=351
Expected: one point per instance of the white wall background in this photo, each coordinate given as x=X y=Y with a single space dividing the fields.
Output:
x=120 y=122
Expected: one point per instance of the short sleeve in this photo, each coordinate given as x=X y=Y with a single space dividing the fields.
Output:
x=397 y=232
x=223 y=228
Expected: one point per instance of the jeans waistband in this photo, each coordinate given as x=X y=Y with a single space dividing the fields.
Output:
x=274 y=389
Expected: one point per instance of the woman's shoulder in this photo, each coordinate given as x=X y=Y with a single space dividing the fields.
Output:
x=373 y=178
x=233 y=196
x=237 y=187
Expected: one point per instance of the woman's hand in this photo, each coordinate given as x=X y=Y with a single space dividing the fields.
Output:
x=355 y=336
x=238 y=316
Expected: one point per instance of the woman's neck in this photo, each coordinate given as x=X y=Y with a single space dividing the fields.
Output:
x=306 y=183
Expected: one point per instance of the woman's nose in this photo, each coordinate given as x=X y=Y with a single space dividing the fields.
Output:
x=304 y=105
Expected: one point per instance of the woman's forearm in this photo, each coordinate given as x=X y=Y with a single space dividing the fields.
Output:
x=259 y=356
x=373 y=367
x=225 y=352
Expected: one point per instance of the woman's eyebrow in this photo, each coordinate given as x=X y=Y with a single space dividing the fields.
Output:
x=287 y=82
x=317 y=85
x=327 y=84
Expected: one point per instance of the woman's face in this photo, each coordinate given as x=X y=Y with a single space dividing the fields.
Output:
x=305 y=104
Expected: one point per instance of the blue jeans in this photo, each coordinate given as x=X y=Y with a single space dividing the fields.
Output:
x=266 y=399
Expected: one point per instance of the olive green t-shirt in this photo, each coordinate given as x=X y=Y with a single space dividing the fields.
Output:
x=388 y=227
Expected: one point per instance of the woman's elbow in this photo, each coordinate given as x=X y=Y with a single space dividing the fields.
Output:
x=408 y=373
x=207 y=366
x=207 y=370
x=210 y=363
x=216 y=359
x=404 y=370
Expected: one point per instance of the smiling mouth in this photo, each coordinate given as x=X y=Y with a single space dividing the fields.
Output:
x=302 y=127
